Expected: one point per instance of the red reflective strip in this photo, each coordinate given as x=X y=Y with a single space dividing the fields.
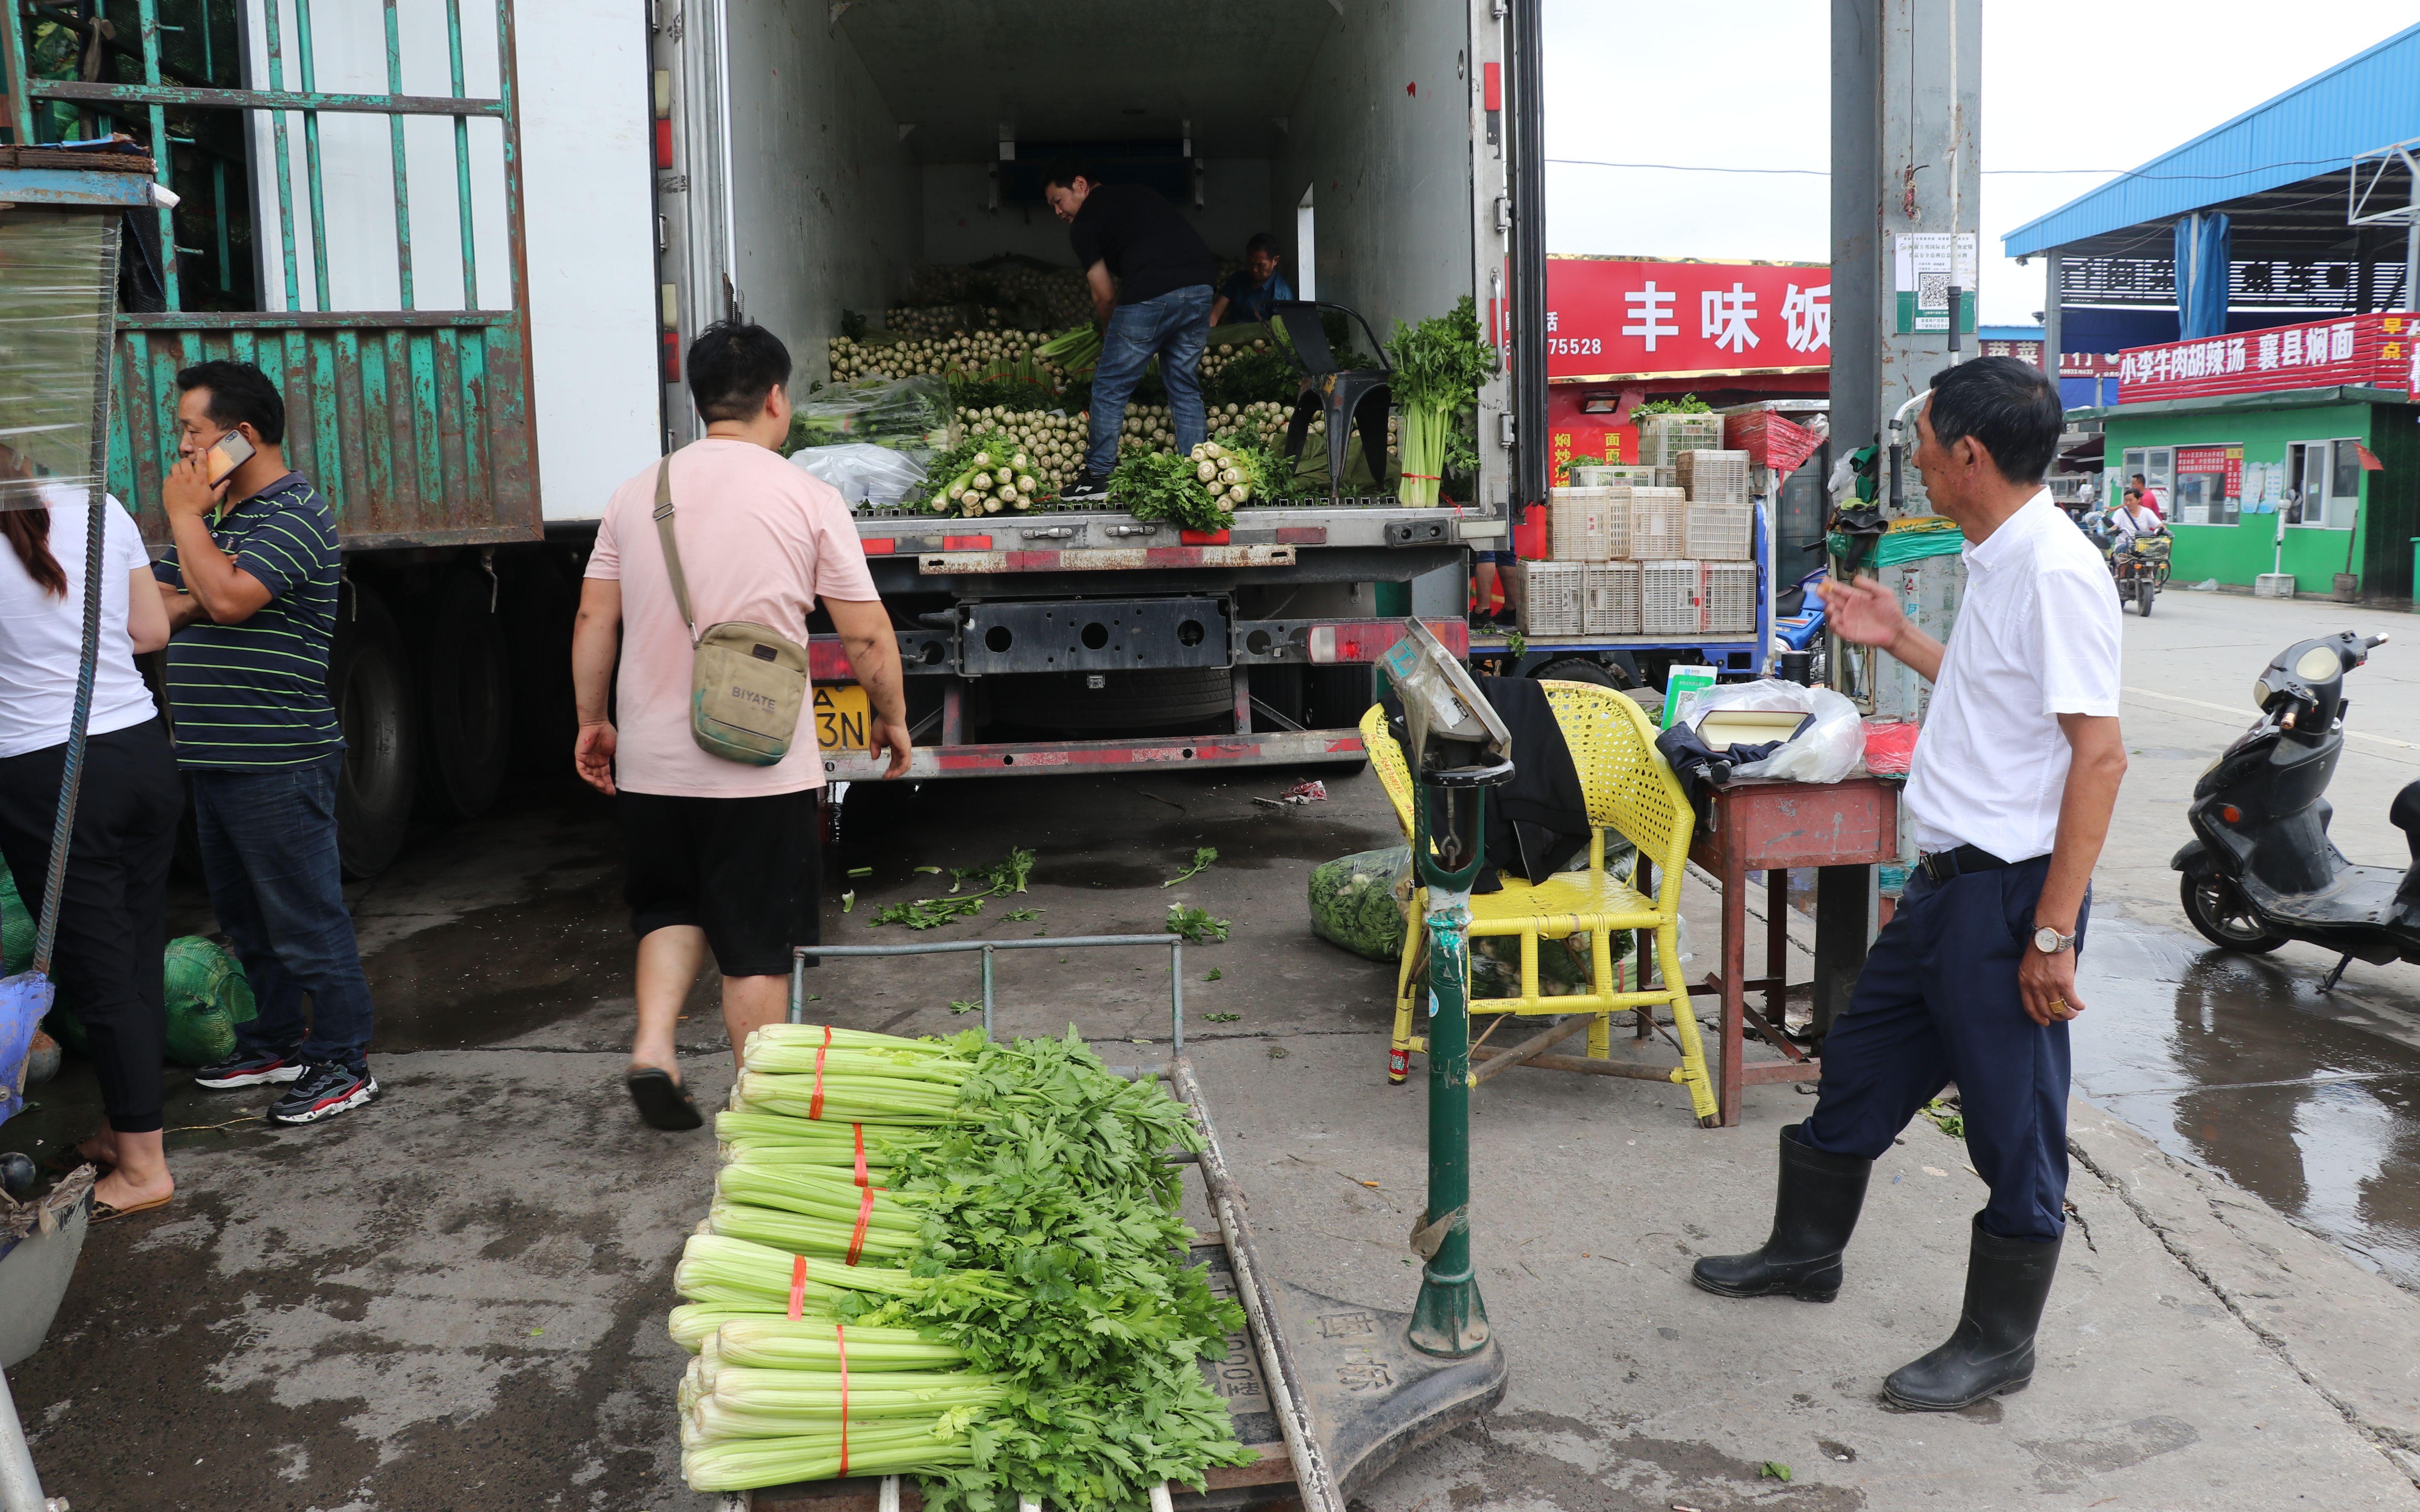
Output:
x=971 y=758
x=1302 y=535
x=1171 y=556
x=864 y=1211
x=840 y=1341
x=1491 y=85
x=664 y=144
x=672 y=357
x=1031 y=561
x=966 y=543
x=815 y=1104
x=878 y=546
x=858 y=1129
x=797 y=1285
x=1202 y=537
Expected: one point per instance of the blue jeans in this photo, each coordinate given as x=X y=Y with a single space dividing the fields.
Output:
x=269 y=853
x=1937 y=1001
x=1174 y=328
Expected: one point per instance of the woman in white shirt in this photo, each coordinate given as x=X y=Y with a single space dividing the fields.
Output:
x=114 y=913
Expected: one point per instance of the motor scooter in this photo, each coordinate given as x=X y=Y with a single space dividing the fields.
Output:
x=2260 y=868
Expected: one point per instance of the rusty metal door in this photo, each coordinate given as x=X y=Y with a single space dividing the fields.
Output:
x=414 y=423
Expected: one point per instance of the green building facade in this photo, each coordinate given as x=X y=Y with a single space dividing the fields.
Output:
x=2259 y=483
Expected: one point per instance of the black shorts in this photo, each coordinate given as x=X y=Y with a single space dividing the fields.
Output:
x=749 y=871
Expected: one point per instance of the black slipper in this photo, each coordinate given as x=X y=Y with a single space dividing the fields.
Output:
x=663 y=1102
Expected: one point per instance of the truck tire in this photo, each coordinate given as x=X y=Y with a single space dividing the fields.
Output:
x=466 y=688
x=1153 y=698
x=1581 y=669
x=370 y=683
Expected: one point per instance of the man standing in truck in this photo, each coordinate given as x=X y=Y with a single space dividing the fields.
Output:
x=251 y=589
x=1150 y=275
x=719 y=853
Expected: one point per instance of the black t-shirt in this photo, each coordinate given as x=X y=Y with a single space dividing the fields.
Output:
x=1150 y=248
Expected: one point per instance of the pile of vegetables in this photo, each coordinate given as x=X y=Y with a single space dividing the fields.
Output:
x=1439 y=367
x=954 y=1259
x=912 y=416
x=1199 y=491
x=984 y=475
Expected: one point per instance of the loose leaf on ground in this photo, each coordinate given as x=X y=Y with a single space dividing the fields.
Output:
x=1195 y=924
x=1202 y=857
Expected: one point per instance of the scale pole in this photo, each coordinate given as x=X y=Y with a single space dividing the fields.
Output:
x=1450 y=1319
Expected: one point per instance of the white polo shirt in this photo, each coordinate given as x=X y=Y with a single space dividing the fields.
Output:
x=2038 y=636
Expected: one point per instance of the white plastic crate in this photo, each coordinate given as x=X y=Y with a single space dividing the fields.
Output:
x=1729 y=595
x=1662 y=438
x=1721 y=533
x=1659 y=524
x=1613 y=472
x=1668 y=598
x=1613 y=598
x=1581 y=523
x=1553 y=598
x=1714 y=477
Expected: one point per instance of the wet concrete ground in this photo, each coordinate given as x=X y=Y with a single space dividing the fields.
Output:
x=454 y=1299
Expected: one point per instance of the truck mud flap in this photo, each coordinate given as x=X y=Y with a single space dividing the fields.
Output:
x=1290 y=748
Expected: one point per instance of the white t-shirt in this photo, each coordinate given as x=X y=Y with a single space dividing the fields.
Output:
x=2038 y=636
x=42 y=635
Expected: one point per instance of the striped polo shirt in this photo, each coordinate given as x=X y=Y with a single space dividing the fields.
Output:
x=254 y=696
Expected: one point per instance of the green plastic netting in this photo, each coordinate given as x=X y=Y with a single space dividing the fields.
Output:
x=206 y=991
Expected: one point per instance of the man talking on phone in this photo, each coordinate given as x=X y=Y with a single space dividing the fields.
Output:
x=251 y=590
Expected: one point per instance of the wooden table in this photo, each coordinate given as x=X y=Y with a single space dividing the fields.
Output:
x=1775 y=827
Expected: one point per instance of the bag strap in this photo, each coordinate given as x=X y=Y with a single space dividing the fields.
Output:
x=672 y=544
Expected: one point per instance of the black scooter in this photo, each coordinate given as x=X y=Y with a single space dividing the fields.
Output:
x=2261 y=869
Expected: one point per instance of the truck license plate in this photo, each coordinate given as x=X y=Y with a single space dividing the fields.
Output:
x=841 y=717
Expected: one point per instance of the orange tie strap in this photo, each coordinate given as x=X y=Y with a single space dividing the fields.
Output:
x=797 y=1285
x=860 y=1130
x=840 y=1340
x=815 y=1104
x=864 y=1211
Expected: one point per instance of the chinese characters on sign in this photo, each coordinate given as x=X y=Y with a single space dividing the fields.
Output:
x=1928 y=264
x=1623 y=317
x=2365 y=350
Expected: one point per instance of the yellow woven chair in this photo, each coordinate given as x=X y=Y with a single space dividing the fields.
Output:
x=1630 y=790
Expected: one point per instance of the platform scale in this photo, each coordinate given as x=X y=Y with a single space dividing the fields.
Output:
x=1329 y=1393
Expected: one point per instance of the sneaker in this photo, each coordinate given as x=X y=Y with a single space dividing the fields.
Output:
x=249 y=1068
x=1086 y=489
x=323 y=1090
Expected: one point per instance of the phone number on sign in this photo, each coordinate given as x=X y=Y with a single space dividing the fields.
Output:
x=1575 y=346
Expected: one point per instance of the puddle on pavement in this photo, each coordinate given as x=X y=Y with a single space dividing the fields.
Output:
x=498 y=972
x=2238 y=1062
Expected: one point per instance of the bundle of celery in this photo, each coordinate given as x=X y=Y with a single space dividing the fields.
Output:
x=1439 y=367
x=1075 y=350
x=984 y=475
x=949 y=1259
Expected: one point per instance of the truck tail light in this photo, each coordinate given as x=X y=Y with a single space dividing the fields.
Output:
x=1322 y=644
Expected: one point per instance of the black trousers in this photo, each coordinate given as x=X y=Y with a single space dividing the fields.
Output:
x=114 y=914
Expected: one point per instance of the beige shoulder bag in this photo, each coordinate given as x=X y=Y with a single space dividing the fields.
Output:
x=748 y=683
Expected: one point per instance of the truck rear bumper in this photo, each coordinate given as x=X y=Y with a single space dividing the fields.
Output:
x=1291 y=747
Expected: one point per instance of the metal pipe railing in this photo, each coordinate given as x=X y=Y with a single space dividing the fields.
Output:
x=1175 y=944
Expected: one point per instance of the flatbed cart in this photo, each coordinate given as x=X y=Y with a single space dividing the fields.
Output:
x=1326 y=1392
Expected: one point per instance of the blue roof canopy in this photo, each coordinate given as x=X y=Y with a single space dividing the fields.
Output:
x=2368 y=101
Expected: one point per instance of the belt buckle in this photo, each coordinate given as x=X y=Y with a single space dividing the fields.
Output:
x=1930 y=861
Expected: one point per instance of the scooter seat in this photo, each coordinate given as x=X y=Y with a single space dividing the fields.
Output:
x=2358 y=897
x=2404 y=814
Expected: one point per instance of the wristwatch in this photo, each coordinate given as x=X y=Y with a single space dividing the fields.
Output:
x=2049 y=941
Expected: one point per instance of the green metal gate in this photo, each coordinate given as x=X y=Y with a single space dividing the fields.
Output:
x=415 y=424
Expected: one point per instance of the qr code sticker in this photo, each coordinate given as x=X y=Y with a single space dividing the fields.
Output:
x=1932 y=291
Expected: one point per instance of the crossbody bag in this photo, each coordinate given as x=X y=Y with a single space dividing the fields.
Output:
x=748 y=683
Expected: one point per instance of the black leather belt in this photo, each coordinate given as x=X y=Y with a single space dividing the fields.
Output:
x=1943 y=865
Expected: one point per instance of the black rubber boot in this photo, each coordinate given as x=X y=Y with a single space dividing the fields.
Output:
x=1991 y=1353
x=1813 y=1214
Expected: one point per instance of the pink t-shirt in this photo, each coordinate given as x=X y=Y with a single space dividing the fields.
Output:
x=761 y=541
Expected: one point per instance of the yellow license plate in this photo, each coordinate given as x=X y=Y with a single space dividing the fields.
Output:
x=841 y=717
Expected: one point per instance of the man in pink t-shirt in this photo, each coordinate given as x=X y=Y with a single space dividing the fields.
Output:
x=719 y=855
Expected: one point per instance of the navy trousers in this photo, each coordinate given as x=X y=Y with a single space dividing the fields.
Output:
x=1937 y=1002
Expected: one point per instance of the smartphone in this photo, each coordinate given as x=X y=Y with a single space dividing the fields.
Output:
x=228 y=453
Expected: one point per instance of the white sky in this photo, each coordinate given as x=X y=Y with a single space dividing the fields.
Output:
x=2067 y=83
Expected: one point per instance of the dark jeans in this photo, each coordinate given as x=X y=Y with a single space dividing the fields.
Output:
x=269 y=851
x=1174 y=328
x=1937 y=1002
x=114 y=914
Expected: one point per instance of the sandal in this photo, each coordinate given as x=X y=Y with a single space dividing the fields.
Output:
x=103 y=1211
x=663 y=1102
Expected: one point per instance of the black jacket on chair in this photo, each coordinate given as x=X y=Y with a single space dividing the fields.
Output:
x=1539 y=820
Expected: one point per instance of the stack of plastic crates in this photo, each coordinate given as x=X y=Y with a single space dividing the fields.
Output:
x=1554 y=600
x=1607 y=473
x=1669 y=597
x=1728 y=595
x=1715 y=477
x=1659 y=524
x=1662 y=438
x=1589 y=524
x=1612 y=606
x=1721 y=533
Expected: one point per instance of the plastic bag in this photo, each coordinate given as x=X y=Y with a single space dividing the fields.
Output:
x=864 y=472
x=1825 y=752
x=909 y=414
x=1360 y=902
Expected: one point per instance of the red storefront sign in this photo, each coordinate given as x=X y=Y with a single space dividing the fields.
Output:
x=2088 y=365
x=1613 y=318
x=2365 y=350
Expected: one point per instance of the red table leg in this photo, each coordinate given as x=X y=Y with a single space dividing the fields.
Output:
x=1727 y=1083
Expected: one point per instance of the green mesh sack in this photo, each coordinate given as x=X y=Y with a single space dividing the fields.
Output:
x=1357 y=901
x=208 y=996
x=16 y=927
